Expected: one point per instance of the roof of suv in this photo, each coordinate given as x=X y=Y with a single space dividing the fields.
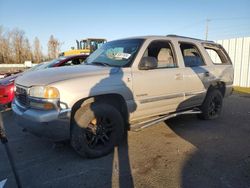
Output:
x=171 y=37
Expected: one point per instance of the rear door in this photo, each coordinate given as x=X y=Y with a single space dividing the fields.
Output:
x=197 y=75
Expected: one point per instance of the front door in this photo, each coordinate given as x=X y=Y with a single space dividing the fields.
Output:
x=159 y=90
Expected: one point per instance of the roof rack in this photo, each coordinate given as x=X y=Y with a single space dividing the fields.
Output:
x=171 y=35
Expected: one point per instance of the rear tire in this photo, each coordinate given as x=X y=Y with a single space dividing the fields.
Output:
x=96 y=129
x=212 y=105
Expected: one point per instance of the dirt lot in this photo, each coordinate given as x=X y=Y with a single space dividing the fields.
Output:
x=181 y=152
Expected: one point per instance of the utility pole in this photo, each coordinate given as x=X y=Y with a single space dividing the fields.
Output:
x=206 y=32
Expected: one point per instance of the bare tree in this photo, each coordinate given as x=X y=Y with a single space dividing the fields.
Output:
x=20 y=46
x=53 y=47
x=1 y=45
x=15 y=47
x=17 y=44
x=27 y=50
x=37 y=52
x=6 y=53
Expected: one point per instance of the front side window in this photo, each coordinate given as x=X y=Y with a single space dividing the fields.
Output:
x=191 y=55
x=120 y=53
x=162 y=52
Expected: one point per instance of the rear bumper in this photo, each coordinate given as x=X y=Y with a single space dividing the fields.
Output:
x=51 y=124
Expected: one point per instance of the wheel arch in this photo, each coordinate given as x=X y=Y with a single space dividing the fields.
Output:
x=114 y=99
x=220 y=85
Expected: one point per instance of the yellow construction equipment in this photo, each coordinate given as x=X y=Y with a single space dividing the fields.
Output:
x=85 y=46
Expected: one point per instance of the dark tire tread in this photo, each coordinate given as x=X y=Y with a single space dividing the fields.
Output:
x=205 y=115
x=83 y=116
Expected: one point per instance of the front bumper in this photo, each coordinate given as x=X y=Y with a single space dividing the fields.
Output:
x=52 y=124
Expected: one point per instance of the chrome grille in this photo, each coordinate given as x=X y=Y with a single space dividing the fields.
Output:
x=22 y=96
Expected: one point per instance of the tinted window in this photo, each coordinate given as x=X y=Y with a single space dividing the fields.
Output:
x=191 y=55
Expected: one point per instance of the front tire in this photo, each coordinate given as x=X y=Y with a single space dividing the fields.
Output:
x=96 y=129
x=212 y=105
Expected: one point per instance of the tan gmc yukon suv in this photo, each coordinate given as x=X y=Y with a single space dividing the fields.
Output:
x=127 y=84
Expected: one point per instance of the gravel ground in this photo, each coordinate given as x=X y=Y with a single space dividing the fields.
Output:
x=181 y=152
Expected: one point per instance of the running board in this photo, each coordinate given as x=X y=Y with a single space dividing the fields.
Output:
x=148 y=123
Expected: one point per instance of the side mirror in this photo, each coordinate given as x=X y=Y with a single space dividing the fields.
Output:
x=148 y=63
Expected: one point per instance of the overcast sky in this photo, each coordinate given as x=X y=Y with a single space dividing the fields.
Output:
x=113 y=19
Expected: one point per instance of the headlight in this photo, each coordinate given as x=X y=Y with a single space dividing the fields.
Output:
x=45 y=92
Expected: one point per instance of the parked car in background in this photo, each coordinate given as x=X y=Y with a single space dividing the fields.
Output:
x=7 y=83
x=6 y=74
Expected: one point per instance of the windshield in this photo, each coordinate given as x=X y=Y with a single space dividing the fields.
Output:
x=36 y=67
x=45 y=65
x=118 y=53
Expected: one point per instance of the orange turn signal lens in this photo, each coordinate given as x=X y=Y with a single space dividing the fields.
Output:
x=51 y=93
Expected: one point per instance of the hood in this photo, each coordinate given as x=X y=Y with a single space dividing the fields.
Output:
x=52 y=75
x=9 y=79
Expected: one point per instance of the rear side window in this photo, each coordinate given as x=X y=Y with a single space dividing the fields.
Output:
x=217 y=55
x=191 y=55
x=214 y=56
